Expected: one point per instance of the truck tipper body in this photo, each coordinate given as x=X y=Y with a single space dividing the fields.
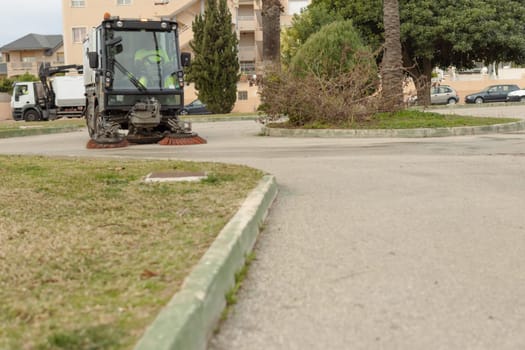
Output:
x=69 y=91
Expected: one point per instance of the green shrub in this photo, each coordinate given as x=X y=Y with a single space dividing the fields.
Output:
x=6 y=85
x=26 y=77
x=332 y=51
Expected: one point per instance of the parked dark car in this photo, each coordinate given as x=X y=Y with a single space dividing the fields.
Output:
x=195 y=107
x=493 y=93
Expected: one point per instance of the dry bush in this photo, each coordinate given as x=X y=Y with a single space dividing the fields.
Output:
x=307 y=98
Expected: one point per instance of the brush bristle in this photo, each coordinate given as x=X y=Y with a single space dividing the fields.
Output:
x=95 y=145
x=182 y=141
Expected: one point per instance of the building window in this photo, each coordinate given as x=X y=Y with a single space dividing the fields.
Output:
x=123 y=2
x=242 y=95
x=78 y=3
x=60 y=57
x=297 y=6
x=79 y=34
x=29 y=59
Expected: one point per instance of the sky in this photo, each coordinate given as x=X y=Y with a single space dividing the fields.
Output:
x=21 y=17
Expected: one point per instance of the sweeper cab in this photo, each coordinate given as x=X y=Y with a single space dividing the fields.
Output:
x=133 y=72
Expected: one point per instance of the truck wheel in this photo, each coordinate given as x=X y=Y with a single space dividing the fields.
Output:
x=31 y=116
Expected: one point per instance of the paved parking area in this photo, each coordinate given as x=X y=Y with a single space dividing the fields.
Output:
x=372 y=243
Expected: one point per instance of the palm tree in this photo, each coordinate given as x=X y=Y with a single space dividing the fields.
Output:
x=392 y=68
x=271 y=24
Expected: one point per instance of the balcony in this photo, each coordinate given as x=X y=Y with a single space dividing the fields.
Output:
x=185 y=36
x=172 y=8
x=247 y=53
x=20 y=68
x=246 y=23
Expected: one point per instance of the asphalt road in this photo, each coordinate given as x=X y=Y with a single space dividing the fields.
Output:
x=372 y=243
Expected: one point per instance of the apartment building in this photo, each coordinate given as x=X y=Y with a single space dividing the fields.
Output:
x=81 y=15
x=25 y=55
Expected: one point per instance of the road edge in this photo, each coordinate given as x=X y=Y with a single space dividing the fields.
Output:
x=190 y=317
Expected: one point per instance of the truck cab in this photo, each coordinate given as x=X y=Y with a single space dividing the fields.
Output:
x=25 y=101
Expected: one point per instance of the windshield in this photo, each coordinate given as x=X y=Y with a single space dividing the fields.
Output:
x=144 y=60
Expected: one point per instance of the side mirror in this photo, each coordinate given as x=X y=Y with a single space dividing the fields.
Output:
x=93 y=60
x=114 y=41
x=185 y=59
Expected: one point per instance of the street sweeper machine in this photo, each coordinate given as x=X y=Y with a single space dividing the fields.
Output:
x=133 y=72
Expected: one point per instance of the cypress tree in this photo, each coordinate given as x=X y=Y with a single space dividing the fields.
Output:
x=215 y=66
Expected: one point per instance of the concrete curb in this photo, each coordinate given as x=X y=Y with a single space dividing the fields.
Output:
x=188 y=320
x=207 y=119
x=402 y=133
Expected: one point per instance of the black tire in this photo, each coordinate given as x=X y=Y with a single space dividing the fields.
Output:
x=522 y=99
x=31 y=116
x=452 y=101
x=479 y=100
x=184 y=112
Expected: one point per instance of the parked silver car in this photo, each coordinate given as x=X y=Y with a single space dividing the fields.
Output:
x=440 y=95
x=443 y=95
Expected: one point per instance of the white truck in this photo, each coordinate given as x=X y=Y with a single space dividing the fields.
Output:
x=48 y=99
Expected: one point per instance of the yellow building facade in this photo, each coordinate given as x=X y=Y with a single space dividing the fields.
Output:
x=79 y=16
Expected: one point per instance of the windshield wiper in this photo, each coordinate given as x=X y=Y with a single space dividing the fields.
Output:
x=130 y=76
x=159 y=59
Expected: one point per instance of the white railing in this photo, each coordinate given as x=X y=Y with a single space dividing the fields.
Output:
x=19 y=68
x=246 y=22
x=246 y=18
x=247 y=53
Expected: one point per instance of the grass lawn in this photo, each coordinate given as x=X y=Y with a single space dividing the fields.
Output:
x=406 y=119
x=89 y=253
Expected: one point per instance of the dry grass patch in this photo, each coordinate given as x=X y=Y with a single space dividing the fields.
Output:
x=89 y=253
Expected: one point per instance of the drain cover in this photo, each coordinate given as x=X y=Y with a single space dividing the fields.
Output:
x=173 y=176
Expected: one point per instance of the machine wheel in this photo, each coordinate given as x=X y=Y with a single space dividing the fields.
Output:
x=452 y=101
x=31 y=116
x=522 y=99
x=479 y=100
